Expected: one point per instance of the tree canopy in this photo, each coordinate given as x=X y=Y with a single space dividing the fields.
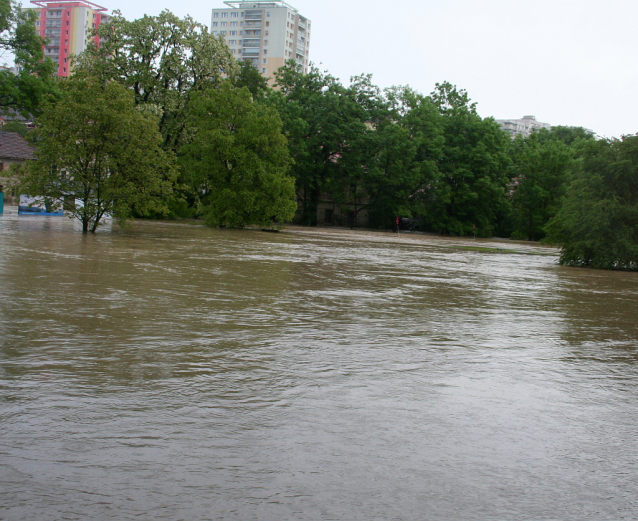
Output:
x=163 y=59
x=597 y=224
x=237 y=159
x=25 y=89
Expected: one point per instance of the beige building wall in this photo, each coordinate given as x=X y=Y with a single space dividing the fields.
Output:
x=268 y=34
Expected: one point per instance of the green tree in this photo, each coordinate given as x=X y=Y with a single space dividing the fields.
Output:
x=597 y=224
x=401 y=173
x=570 y=135
x=473 y=168
x=35 y=80
x=238 y=159
x=252 y=79
x=540 y=168
x=325 y=124
x=94 y=147
x=163 y=60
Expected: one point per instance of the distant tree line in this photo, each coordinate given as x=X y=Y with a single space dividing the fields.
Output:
x=219 y=143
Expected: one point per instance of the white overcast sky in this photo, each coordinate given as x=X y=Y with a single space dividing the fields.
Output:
x=568 y=62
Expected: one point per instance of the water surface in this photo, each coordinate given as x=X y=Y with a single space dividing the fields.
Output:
x=176 y=372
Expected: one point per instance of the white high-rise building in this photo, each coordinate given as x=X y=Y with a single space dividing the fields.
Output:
x=525 y=126
x=267 y=34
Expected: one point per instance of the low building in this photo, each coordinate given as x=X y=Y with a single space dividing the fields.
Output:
x=524 y=126
x=13 y=149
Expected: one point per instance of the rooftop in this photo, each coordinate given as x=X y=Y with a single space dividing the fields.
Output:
x=247 y=4
x=68 y=3
x=14 y=146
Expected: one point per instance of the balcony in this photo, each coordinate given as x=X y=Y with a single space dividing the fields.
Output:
x=252 y=25
x=250 y=51
x=54 y=14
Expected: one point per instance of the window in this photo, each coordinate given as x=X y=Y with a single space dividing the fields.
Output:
x=224 y=24
x=37 y=24
x=214 y=33
x=67 y=23
x=233 y=33
x=233 y=24
x=265 y=60
x=267 y=13
x=215 y=24
x=234 y=15
x=263 y=70
x=265 y=42
x=232 y=42
x=67 y=33
x=238 y=51
x=224 y=15
x=267 y=24
x=222 y=32
x=93 y=15
x=241 y=33
x=265 y=51
x=215 y=15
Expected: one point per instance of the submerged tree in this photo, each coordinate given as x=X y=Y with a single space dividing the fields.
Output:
x=97 y=154
x=597 y=224
x=237 y=160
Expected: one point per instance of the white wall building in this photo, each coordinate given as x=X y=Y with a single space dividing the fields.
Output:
x=267 y=34
x=525 y=126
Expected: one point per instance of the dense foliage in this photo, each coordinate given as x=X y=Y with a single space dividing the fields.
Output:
x=237 y=160
x=597 y=224
x=99 y=154
x=23 y=90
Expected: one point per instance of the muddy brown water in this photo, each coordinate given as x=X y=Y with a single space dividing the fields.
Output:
x=176 y=372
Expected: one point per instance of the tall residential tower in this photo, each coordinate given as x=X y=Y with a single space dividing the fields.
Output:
x=267 y=34
x=66 y=26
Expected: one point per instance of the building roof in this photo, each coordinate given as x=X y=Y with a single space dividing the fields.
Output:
x=14 y=146
x=68 y=3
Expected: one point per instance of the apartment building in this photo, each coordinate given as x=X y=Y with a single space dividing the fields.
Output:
x=525 y=126
x=267 y=34
x=66 y=26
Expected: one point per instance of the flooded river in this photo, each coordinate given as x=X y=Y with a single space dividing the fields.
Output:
x=176 y=372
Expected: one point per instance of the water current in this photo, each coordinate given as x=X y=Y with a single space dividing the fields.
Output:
x=171 y=371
